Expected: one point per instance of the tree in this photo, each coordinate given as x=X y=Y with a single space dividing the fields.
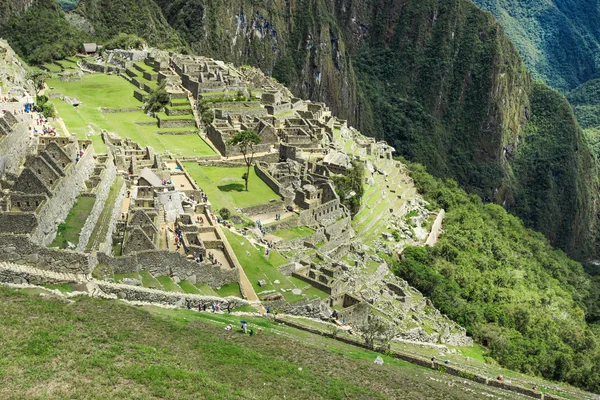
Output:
x=48 y=110
x=246 y=140
x=39 y=79
x=225 y=213
x=158 y=98
x=377 y=328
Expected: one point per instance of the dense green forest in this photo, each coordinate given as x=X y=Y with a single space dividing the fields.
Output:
x=41 y=34
x=559 y=40
x=534 y=308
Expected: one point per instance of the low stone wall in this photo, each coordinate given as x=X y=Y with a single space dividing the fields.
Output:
x=135 y=293
x=139 y=95
x=21 y=250
x=182 y=132
x=178 y=111
x=65 y=193
x=277 y=206
x=119 y=110
x=176 y=123
x=21 y=274
x=264 y=174
x=168 y=263
x=102 y=191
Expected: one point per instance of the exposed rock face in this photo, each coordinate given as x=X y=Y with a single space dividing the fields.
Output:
x=12 y=74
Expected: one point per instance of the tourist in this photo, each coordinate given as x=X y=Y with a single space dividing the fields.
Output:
x=199 y=307
x=204 y=306
x=189 y=305
x=251 y=332
x=228 y=308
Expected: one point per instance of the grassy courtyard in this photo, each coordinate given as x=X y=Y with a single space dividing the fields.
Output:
x=225 y=186
x=69 y=230
x=110 y=91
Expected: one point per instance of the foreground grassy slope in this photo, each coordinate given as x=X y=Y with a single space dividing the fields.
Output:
x=52 y=348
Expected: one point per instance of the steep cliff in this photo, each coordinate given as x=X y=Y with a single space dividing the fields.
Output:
x=559 y=40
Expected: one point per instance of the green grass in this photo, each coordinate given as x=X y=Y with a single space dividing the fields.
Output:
x=165 y=117
x=294 y=233
x=105 y=349
x=206 y=290
x=146 y=67
x=258 y=267
x=63 y=287
x=225 y=186
x=149 y=281
x=230 y=289
x=53 y=67
x=129 y=275
x=168 y=284
x=69 y=230
x=110 y=91
x=188 y=287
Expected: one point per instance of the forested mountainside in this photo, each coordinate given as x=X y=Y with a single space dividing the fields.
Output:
x=438 y=79
x=559 y=40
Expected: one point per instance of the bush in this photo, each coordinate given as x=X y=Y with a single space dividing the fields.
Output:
x=225 y=213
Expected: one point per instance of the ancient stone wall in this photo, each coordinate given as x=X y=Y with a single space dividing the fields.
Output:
x=276 y=206
x=64 y=194
x=15 y=147
x=176 y=123
x=21 y=250
x=18 y=222
x=168 y=263
x=263 y=173
x=106 y=244
x=102 y=191
x=135 y=293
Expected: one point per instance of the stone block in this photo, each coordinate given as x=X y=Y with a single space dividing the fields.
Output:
x=262 y=283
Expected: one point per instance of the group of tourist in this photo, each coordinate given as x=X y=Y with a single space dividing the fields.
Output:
x=215 y=307
x=80 y=154
x=213 y=259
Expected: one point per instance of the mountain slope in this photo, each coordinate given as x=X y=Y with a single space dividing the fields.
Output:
x=559 y=40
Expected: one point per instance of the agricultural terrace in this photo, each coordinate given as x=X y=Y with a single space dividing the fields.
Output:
x=98 y=91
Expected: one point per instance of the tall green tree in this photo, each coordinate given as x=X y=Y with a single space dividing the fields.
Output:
x=39 y=79
x=158 y=98
x=246 y=140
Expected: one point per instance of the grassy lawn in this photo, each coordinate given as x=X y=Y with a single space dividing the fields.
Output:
x=105 y=349
x=130 y=275
x=69 y=230
x=149 y=281
x=145 y=67
x=168 y=284
x=206 y=290
x=188 y=287
x=225 y=186
x=164 y=116
x=230 y=289
x=258 y=267
x=294 y=233
x=110 y=91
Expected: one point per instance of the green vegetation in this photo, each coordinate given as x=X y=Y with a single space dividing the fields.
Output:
x=41 y=34
x=118 y=21
x=125 y=41
x=105 y=349
x=69 y=230
x=225 y=186
x=527 y=302
x=39 y=79
x=246 y=140
x=350 y=186
x=168 y=284
x=257 y=267
x=557 y=39
x=157 y=99
x=110 y=91
x=294 y=233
